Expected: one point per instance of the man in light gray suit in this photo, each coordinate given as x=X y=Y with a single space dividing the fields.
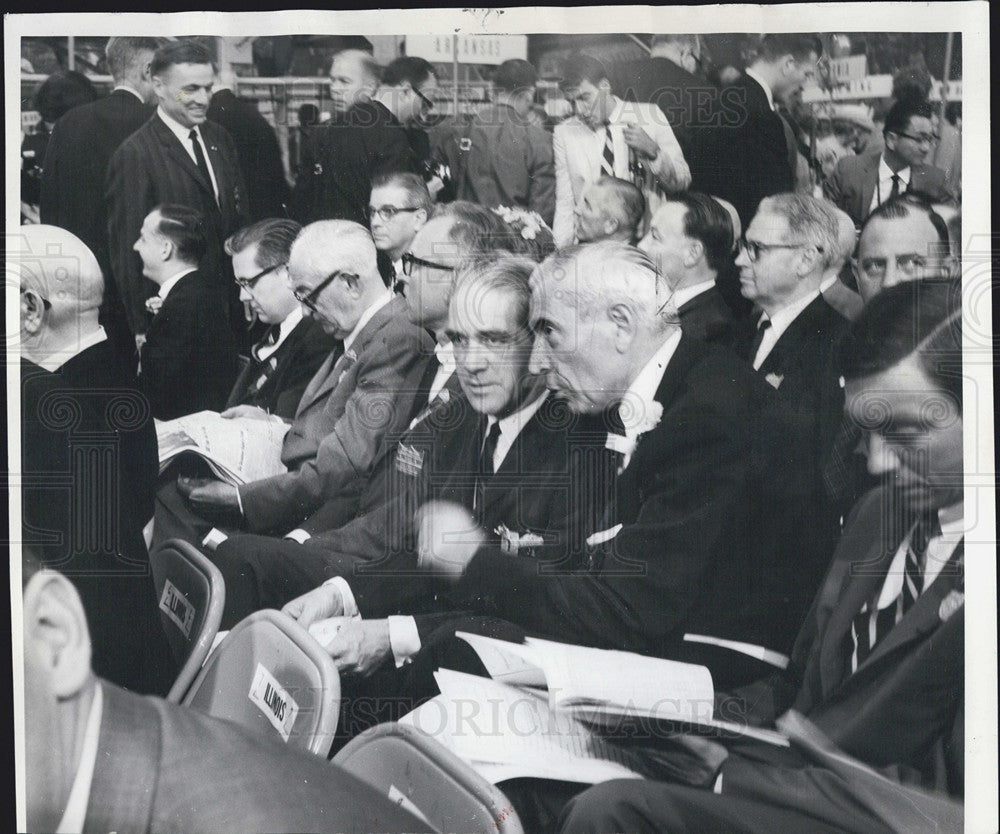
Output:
x=348 y=406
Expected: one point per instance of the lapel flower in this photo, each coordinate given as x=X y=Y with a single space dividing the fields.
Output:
x=651 y=416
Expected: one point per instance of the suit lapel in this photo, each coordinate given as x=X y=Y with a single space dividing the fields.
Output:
x=869 y=179
x=786 y=349
x=128 y=758
x=172 y=147
x=321 y=376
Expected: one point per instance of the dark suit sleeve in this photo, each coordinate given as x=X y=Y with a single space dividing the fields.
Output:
x=392 y=153
x=129 y=195
x=652 y=573
x=48 y=207
x=165 y=359
x=313 y=352
x=347 y=452
x=542 y=198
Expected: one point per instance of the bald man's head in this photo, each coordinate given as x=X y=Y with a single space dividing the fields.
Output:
x=61 y=286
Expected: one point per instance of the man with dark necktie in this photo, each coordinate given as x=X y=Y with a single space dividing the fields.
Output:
x=294 y=345
x=878 y=667
x=399 y=206
x=177 y=157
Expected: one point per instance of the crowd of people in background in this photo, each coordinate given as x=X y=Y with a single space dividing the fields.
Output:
x=676 y=365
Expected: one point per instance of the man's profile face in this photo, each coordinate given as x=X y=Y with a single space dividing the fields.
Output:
x=577 y=354
x=349 y=83
x=395 y=232
x=492 y=346
x=665 y=242
x=903 y=249
x=772 y=278
x=150 y=243
x=593 y=214
x=797 y=74
x=184 y=92
x=332 y=301
x=270 y=297
x=427 y=289
x=914 y=432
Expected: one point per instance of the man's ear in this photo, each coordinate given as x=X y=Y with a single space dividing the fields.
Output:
x=624 y=320
x=693 y=252
x=809 y=257
x=55 y=630
x=353 y=284
x=32 y=311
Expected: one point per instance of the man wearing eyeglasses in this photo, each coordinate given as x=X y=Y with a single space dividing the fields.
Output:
x=407 y=90
x=399 y=207
x=783 y=259
x=860 y=184
x=294 y=345
x=351 y=401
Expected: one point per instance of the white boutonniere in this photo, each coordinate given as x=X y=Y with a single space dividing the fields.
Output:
x=651 y=417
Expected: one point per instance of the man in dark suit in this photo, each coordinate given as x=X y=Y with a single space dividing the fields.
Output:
x=860 y=184
x=361 y=140
x=691 y=239
x=783 y=259
x=257 y=149
x=188 y=362
x=294 y=345
x=334 y=274
x=99 y=758
x=76 y=164
x=668 y=78
x=85 y=423
x=745 y=155
x=176 y=157
x=878 y=666
x=686 y=545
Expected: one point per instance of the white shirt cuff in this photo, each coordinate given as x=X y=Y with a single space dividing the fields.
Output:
x=298 y=535
x=350 y=606
x=239 y=503
x=403 y=638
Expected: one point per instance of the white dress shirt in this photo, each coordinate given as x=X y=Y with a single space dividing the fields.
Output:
x=883 y=185
x=290 y=322
x=683 y=295
x=780 y=322
x=171 y=282
x=445 y=354
x=54 y=361
x=131 y=90
x=404 y=638
x=75 y=815
x=183 y=136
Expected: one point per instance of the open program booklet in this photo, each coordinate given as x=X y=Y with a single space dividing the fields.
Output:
x=508 y=728
x=238 y=450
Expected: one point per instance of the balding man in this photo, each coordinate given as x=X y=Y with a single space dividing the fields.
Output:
x=836 y=293
x=84 y=422
x=76 y=162
x=349 y=405
x=361 y=140
x=903 y=240
x=609 y=209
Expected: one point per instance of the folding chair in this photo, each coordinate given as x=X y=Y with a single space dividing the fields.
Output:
x=271 y=677
x=191 y=595
x=403 y=762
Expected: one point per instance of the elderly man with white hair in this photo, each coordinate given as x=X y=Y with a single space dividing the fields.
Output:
x=347 y=407
x=690 y=542
x=834 y=291
x=88 y=456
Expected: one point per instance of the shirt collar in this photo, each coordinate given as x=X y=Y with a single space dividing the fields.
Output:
x=445 y=354
x=54 y=361
x=885 y=173
x=786 y=315
x=290 y=322
x=169 y=284
x=181 y=132
x=952 y=519
x=766 y=87
x=366 y=317
x=684 y=294
x=75 y=815
x=828 y=282
x=131 y=90
x=641 y=394
x=512 y=425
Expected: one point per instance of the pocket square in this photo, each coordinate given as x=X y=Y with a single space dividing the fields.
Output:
x=774 y=380
x=603 y=536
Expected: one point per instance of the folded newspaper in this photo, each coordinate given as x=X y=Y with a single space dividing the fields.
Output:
x=508 y=727
x=238 y=450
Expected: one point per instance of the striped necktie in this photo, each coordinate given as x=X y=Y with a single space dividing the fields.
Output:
x=871 y=624
x=608 y=157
